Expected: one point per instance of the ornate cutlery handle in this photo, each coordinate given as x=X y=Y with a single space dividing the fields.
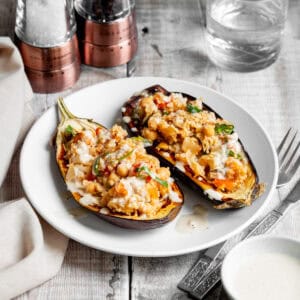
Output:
x=191 y=279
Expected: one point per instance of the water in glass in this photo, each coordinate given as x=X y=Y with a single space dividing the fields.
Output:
x=245 y=35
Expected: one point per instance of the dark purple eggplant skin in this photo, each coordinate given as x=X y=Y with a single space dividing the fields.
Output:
x=140 y=224
x=178 y=174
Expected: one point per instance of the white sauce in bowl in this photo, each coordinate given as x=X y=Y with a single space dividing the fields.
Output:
x=268 y=276
x=263 y=268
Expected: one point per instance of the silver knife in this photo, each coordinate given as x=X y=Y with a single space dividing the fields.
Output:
x=199 y=288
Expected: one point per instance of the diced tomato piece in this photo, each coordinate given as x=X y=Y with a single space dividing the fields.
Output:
x=98 y=129
x=90 y=176
x=162 y=105
x=106 y=172
x=78 y=137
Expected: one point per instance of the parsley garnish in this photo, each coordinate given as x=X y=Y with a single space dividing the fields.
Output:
x=146 y=142
x=192 y=109
x=70 y=130
x=153 y=176
x=95 y=168
x=224 y=128
x=125 y=155
x=235 y=155
x=231 y=153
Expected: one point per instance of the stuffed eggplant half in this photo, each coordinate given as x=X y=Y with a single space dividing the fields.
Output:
x=198 y=145
x=113 y=176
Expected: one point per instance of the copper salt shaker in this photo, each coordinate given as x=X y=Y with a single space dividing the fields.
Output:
x=45 y=33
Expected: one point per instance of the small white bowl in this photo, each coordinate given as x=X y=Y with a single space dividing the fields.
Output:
x=263 y=267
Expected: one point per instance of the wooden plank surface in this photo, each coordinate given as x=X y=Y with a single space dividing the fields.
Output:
x=180 y=52
x=171 y=44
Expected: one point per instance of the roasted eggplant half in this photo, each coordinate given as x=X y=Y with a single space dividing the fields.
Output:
x=200 y=147
x=112 y=175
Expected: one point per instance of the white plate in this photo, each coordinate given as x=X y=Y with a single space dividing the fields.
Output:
x=46 y=191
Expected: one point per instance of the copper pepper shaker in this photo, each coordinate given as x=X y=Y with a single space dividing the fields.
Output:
x=106 y=31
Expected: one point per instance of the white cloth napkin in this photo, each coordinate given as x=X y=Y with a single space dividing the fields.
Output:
x=31 y=251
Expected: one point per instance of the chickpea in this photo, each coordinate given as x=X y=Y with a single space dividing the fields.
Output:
x=122 y=170
x=149 y=134
x=209 y=130
x=163 y=146
x=112 y=179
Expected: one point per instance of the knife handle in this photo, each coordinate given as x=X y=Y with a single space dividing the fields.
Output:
x=207 y=282
x=191 y=279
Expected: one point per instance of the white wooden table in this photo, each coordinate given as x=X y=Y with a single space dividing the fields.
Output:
x=173 y=47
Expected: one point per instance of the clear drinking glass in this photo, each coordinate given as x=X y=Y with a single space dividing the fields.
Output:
x=245 y=35
x=45 y=23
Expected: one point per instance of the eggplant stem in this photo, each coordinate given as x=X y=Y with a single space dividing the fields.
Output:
x=66 y=114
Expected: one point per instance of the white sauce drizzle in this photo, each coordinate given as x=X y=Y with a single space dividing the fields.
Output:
x=104 y=211
x=88 y=199
x=74 y=187
x=89 y=135
x=179 y=165
x=174 y=197
x=133 y=186
x=214 y=195
x=194 y=222
x=127 y=119
x=83 y=152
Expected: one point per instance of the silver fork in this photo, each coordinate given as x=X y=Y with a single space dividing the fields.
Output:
x=205 y=273
x=287 y=164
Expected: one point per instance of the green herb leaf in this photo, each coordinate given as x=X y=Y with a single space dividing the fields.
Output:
x=153 y=176
x=125 y=155
x=235 y=155
x=224 y=128
x=147 y=143
x=70 y=130
x=165 y=113
x=231 y=153
x=95 y=167
x=192 y=109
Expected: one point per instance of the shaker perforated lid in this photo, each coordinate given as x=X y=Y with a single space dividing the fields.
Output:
x=103 y=11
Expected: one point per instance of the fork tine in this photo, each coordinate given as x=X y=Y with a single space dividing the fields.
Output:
x=296 y=165
x=284 y=156
x=279 y=148
x=287 y=164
